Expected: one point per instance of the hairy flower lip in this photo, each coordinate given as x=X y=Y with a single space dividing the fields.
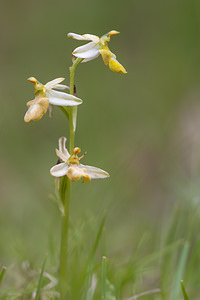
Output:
x=74 y=171
x=96 y=47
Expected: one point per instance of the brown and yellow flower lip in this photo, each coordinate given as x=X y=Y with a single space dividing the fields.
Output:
x=36 y=108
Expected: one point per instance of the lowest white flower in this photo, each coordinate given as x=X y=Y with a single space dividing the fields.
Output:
x=46 y=96
x=96 y=47
x=71 y=166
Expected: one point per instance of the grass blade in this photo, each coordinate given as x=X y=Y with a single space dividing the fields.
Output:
x=90 y=292
x=98 y=236
x=180 y=270
x=88 y=269
x=3 y=271
x=41 y=277
x=184 y=291
x=103 y=278
x=96 y=243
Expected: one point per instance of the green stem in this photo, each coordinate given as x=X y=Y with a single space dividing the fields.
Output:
x=64 y=242
x=65 y=195
x=73 y=109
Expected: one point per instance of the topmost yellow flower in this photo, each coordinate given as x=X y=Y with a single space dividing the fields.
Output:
x=96 y=47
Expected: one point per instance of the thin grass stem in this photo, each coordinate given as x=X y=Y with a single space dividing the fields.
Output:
x=41 y=278
x=103 y=278
x=3 y=271
x=154 y=291
x=180 y=271
x=184 y=291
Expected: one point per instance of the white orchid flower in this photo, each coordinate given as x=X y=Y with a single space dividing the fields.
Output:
x=96 y=47
x=71 y=166
x=45 y=96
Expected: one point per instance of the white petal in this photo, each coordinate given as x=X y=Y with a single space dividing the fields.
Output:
x=86 y=37
x=63 y=95
x=61 y=87
x=63 y=102
x=62 y=99
x=91 y=58
x=76 y=36
x=85 y=47
x=94 y=172
x=49 y=85
x=91 y=53
x=91 y=37
x=59 y=170
x=62 y=141
x=61 y=155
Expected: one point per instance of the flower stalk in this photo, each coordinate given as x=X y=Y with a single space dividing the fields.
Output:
x=73 y=111
x=65 y=197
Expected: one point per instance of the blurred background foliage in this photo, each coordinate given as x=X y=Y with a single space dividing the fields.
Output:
x=143 y=127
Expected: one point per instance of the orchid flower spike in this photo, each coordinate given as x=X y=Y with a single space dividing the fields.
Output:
x=96 y=47
x=45 y=96
x=71 y=166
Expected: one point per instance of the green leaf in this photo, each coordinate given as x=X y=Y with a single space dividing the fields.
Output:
x=184 y=291
x=74 y=116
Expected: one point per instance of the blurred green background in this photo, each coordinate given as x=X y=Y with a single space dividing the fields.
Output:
x=142 y=127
